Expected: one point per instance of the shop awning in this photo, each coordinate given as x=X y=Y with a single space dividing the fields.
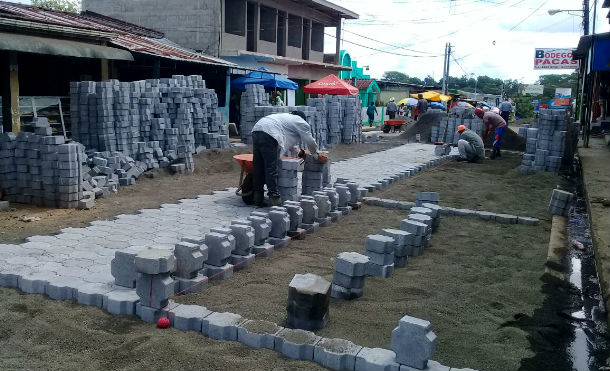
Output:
x=330 y=84
x=67 y=48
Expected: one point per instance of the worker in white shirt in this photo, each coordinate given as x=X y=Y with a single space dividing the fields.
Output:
x=272 y=136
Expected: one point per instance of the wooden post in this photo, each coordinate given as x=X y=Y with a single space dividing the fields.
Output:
x=105 y=69
x=14 y=87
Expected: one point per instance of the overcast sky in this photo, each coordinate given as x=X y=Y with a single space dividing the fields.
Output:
x=489 y=37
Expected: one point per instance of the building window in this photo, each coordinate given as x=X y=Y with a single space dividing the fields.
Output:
x=235 y=17
x=317 y=36
x=295 y=30
x=268 y=29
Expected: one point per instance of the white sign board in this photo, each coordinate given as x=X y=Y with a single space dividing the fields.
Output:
x=563 y=93
x=533 y=89
x=552 y=58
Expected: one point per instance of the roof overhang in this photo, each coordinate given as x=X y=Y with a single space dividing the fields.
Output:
x=327 y=6
x=237 y=56
x=585 y=42
x=67 y=48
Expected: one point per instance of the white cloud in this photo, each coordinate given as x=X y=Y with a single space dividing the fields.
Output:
x=479 y=31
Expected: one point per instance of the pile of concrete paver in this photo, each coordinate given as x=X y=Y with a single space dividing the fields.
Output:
x=560 y=202
x=156 y=121
x=450 y=134
x=333 y=119
x=546 y=142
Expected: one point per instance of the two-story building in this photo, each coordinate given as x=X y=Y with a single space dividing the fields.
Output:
x=285 y=36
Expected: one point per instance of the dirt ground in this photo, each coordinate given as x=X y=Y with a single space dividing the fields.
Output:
x=214 y=170
x=472 y=283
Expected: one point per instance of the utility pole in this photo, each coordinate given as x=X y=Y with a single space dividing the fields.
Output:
x=585 y=16
x=445 y=67
x=594 y=16
x=446 y=87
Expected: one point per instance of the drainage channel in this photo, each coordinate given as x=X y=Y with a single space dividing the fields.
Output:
x=589 y=347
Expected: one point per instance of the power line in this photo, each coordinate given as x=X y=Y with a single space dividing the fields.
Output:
x=393 y=45
x=383 y=51
x=529 y=15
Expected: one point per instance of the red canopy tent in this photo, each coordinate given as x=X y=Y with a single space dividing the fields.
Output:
x=330 y=84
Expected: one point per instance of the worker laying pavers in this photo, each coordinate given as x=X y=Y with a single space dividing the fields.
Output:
x=470 y=145
x=271 y=136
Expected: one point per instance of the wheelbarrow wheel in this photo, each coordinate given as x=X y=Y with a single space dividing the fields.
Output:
x=386 y=128
x=247 y=192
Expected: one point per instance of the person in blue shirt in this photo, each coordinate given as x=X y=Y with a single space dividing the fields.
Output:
x=371 y=111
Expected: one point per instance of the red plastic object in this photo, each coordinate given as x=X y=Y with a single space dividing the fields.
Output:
x=330 y=84
x=163 y=322
x=246 y=161
x=394 y=122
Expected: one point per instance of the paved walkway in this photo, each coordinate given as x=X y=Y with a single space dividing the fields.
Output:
x=78 y=257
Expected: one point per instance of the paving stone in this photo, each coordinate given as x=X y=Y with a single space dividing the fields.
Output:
x=150 y=314
x=120 y=301
x=308 y=302
x=340 y=292
x=380 y=259
x=527 y=221
x=355 y=282
x=221 y=326
x=35 y=283
x=383 y=271
x=433 y=366
x=242 y=261
x=413 y=342
x=155 y=261
x=188 y=317
x=336 y=354
x=352 y=264
x=376 y=359
x=190 y=285
x=62 y=288
x=219 y=248
x=279 y=243
x=258 y=334
x=506 y=219
x=296 y=343
x=244 y=238
x=379 y=244
x=123 y=268
x=189 y=259
x=154 y=290
x=261 y=229
x=92 y=294
x=413 y=227
x=219 y=272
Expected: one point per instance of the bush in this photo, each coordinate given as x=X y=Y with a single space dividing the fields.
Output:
x=525 y=108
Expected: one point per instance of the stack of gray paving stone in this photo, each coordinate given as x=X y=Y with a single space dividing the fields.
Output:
x=41 y=169
x=345 y=198
x=287 y=179
x=178 y=115
x=380 y=250
x=450 y=134
x=313 y=175
x=242 y=255
x=560 y=201
x=308 y=302
x=190 y=257
x=333 y=197
x=427 y=197
x=154 y=285
x=546 y=143
x=295 y=211
x=324 y=208
x=413 y=342
x=310 y=214
x=280 y=225
x=349 y=276
x=418 y=236
x=424 y=215
x=253 y=96
x=322 y=132
x=262 y=227
x=402 y=249
x=220 y=247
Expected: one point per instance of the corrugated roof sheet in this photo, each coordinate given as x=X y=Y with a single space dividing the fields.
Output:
x=126 y=35
x=361 y=84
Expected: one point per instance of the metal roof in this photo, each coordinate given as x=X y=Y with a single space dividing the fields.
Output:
x=123 y=34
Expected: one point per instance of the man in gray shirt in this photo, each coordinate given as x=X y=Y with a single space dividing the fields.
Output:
x=422 y=105
x=505 y=109
x=470 y=145
x=392 y=108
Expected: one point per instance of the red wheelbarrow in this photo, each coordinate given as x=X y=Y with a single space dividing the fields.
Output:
x=245 y=189
x=392 y=125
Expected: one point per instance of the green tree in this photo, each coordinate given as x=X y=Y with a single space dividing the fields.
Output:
x=525 y=108
x=553 y=81
x=429 y=81
x=72 y=6
x=395 y=76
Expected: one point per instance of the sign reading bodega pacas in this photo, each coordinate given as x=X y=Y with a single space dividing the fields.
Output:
x=547 y=59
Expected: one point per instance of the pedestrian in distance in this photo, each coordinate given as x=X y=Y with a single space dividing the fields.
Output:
x=272 y=136
x=505 y=109
x=392 y=108
x=470 y=145
x=492 y=123
x=371 y=111
x=422 y=105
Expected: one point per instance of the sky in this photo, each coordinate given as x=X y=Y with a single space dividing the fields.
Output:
x=496 y=38
x=488 y=37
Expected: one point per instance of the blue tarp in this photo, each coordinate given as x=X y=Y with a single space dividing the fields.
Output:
x=268 y=80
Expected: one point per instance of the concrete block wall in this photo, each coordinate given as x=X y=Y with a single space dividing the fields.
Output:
x=195 y=24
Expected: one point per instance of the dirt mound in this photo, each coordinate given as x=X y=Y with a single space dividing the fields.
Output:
x=511 y=141
x=422 y=126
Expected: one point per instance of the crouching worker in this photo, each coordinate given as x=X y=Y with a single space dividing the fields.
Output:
x=470 y=145
x=272 y=136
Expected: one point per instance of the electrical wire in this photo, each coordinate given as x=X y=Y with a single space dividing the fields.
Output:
x=383 y=51
x=393 y=45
